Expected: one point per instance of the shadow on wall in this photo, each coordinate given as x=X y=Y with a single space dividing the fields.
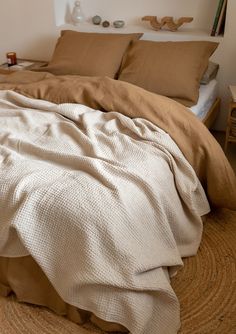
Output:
x=68 y=14
x=40 y=48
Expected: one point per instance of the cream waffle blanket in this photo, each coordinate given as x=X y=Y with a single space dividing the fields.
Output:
x=105 y=204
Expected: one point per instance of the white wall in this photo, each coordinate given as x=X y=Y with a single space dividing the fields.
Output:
x=26 y=27
x=132 y=10
x=30 y=27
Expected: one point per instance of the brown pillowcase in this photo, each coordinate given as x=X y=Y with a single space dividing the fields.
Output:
x=172 y=69
x=89 y=54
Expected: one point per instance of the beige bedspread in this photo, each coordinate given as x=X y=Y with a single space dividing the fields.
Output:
x=193 y=138
x=105 y=204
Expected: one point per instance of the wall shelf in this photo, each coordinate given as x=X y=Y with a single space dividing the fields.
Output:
x=181 y=34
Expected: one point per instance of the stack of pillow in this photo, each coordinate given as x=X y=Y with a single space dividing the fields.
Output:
x=172 y=69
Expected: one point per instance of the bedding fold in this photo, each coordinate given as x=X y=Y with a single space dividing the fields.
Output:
x=101 y=184
x=106 y=205
x=193 y=138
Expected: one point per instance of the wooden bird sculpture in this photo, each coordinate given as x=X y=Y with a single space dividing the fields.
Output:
x=166 y=20
x=172 y=26
x=153 y=21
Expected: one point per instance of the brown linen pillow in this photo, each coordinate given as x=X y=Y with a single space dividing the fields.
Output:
x=89 y=54
x=172 y=69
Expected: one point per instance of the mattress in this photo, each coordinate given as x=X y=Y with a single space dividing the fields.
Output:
x=207 y=95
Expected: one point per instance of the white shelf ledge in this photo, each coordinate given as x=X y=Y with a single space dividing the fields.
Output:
x=149 y=33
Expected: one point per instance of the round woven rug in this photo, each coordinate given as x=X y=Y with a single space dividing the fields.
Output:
x=206 y=288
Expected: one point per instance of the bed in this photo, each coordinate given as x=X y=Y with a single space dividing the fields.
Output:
x=103 y=188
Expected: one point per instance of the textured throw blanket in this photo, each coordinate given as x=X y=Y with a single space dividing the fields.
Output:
x=193 y=138
x=106 y=202
x=106 y=205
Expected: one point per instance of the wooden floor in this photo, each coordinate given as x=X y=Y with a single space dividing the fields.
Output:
x=231 y=150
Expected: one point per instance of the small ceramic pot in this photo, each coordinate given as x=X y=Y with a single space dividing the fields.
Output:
x=105 y=24
x=118 y=23
x=97 y=19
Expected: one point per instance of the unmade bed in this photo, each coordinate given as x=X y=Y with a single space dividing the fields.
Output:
x=104 y=185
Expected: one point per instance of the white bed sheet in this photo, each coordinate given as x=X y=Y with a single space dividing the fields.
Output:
x=207 y=95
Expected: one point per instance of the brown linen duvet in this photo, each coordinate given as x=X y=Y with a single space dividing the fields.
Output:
x=102 y=192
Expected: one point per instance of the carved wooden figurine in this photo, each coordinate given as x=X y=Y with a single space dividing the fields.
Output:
x=167 y=20
x=154 y=22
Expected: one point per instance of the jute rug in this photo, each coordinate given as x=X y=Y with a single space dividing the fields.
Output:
x=206 y=288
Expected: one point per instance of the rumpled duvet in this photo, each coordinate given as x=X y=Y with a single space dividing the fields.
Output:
x=106 y=204
x=194 y=140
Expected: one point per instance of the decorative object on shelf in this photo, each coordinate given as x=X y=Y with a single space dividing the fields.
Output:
x=105 y=24
x=156 y=25
x=173 y=26
x=118 y=23
x=168 y=21
x=96 y=19
x=77 y=13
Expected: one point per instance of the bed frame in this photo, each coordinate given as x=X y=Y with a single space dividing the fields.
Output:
x=212 y=113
